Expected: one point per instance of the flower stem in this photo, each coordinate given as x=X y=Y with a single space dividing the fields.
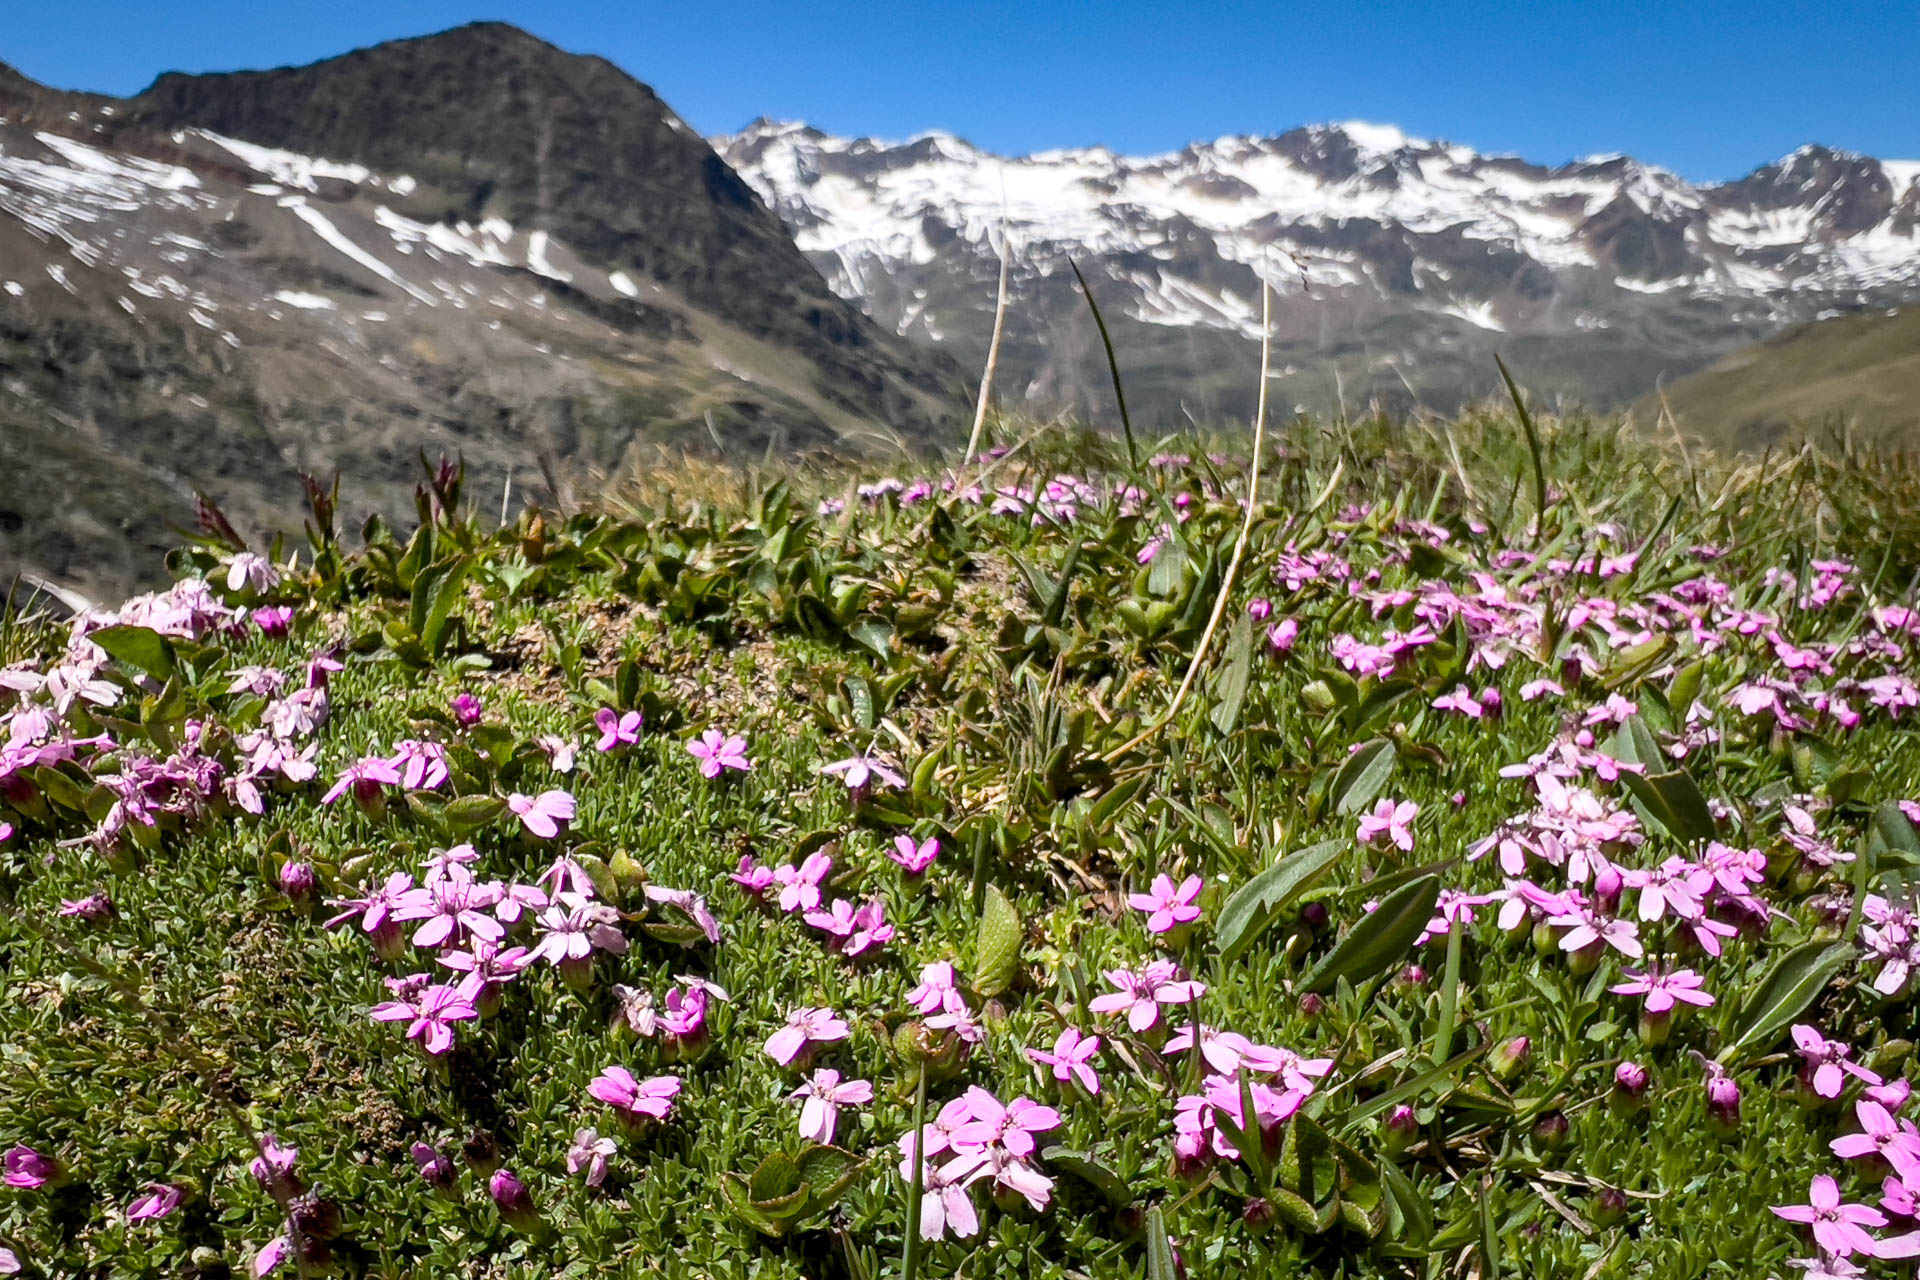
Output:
x=910 y=1251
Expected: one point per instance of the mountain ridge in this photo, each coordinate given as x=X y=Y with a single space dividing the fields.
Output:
x=1403 y=264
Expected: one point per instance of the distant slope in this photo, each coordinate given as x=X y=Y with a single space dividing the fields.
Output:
x=1863 y=369
x=469 y=243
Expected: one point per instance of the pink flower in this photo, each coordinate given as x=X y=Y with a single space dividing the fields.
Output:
x=616 y=730
x=1168 y=907
x=854 y=929
x=1826 y=1060
x=751 y=876
x=429 y=1015
x=1394 y=821
x=914 y=858
x=273 y=621
x=821 y=1098
x=800 y=886
x=858 y=772
x=1071 y=1059
x=1897 y=1144
x=1662 y=990
x=635 y=1100
x=1837 y=1227
x=591 y=1152
x=692 y=904
x=29 y=1169
x=1140 y=995
x=1462 y=701
x=717 y=751
x=466 y=710
x=1283 y=634
x=938 y=989
x=544 y=814
x=159 y=1201
x=805 y=1028
x=1009 y=1126
x=364 y=778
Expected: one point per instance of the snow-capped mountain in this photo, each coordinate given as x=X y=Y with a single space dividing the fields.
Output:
x=1399 y=263
x=468 y=243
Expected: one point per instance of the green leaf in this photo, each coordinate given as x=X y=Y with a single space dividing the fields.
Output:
x=1230 y=692
x=996 y=948
x=776 y=1177
x=1379 y=940
x=470 y=813
x=1892 y=832
x=734 y=1188
x=1673 y=802
x=1793 y=983
x=1257 y=903
x=1091 y=1171
x=875 y=634
x=1362 y=776
x=141 y=648
x=1159 y=1251
x=1634 y=743
x=829 y=1171
x=436 y=591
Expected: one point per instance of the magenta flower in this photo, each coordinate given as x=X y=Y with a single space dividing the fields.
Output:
x=29 y=1169
x=422 y=765
x=453 y=907
x=1394 y=821
x=805 y=1028
x=544 y=814
x=1662 y=990
x=159 y=1201
x=435 y=1169
x=800 y=886
x=1880 y=1135
x=376 y=912
x=634 y=1100
x=1837 y=1228
x=717 y=751
x=1071 y=1059
x=273 y=621
x=364 y=778
x=273 y=1168
x=691 y=904
x=1009 y=1126
x=616 y=730
x=821 y=1098
x=858 y=772
x=752 y=878
x=591 y=1152
x=1827 y=1062
x=914 y=858
x=512 y=1199
x=1140 y=995
x=430 y=1015
x=1168 y=907
x=572 y=929
x=466 y=710
x=854 y=929
x=939 y=989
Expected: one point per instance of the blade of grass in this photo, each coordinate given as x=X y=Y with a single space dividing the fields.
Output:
x=1113 y=367
x=1533 y=450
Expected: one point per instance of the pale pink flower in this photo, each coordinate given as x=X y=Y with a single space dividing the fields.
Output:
x=1837 y=1228
x=821 y=1098
x=543 y=815
x=805 y=1027
x=717 y=751
x=1168 y=907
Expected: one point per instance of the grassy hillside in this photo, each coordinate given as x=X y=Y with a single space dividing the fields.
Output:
x=1860 y=372
x=578 y=898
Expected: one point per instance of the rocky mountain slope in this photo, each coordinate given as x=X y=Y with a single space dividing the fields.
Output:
x=1401 y=264
x=471 y=242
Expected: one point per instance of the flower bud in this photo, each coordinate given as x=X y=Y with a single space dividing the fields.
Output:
x=1312 y=1005
x=95 y=908
x=1608 y=1206
x=1551 y=1129
x=576 y=972
x=1401 y=1127
x=466 y=710
x=389 y=941
x=1314 y=916
x=1546 y=940
x=316 y=1216
x=435 y=1169
x=1257 y=1214
x=1723 y=1104
x=1413 y=976
x=1511 y=1057
x=511 y=1197
x=481 y=1151
x=1607 y=886
x=1629 y=1089
x=300 y=883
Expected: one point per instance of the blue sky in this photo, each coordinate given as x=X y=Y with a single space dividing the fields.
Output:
x=1705 y=87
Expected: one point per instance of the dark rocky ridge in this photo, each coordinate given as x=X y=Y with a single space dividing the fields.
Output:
x=175 y=317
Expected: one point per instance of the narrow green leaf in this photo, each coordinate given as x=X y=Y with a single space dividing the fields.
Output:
x=1379 y=940
x=1794 y=982
x=1673 y=802
x=1230 y=692
x=996 y=950
x=1255 y=904
x=1362 y=776
x=1159 y=1250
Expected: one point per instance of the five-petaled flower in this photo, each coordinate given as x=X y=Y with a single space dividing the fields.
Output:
x=1169 y=906
x=1071 y=1058
x=821 y=1098
x=717 y=751
x=1838 y=1228
x=805 y=1028
x=429 y=1015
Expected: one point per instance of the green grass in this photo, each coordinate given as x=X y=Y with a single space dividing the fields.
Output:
x=712 y=601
